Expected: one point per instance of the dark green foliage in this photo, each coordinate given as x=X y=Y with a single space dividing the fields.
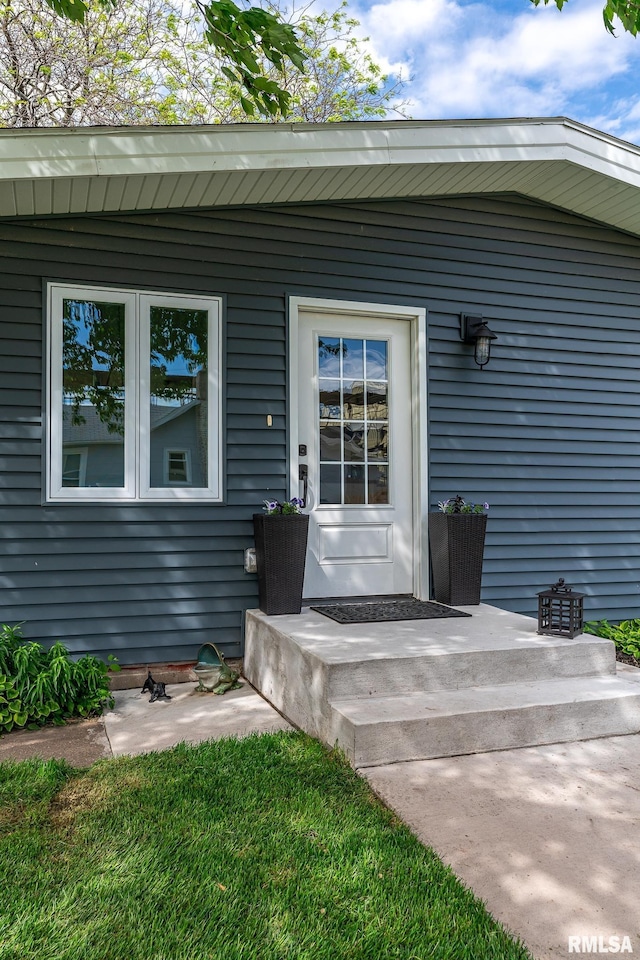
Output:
x=37 y=685
x=626 y=11
x=265 y=848
x=625 y=635
x=240 y=36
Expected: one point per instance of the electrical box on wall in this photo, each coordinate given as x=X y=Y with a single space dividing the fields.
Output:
x=250 y=565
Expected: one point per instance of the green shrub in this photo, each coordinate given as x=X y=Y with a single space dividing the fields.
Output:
x=39 y=685
x=625 y=635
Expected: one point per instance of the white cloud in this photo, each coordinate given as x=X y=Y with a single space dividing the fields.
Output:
x=621 y=120
x=475 y=59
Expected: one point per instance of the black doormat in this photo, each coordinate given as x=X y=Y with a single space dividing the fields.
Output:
x=365 y=612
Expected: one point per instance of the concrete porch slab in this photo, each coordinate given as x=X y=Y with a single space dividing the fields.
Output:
x=404 y=690
x=488 y=628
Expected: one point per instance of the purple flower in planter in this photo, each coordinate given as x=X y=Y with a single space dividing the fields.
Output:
x=292 y=506
x=288 y=508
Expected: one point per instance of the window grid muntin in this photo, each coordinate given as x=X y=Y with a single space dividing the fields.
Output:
x=343 y=420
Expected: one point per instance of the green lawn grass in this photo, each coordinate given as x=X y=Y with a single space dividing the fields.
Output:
x=268 y=847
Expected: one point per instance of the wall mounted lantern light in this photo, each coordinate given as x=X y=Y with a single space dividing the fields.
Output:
x=474 y=330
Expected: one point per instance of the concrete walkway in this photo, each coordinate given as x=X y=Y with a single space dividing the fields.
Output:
x=546 y=836
x=137 y=726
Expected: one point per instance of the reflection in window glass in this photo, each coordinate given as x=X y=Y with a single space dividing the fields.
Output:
x=378 y=484
x=330 y=483
x=93 y=377
x=74 y=467
x=353 y=359
x=330 y=402
x=353 y=406
x=71 y=470
x=329 y=357
x=376 y=355
x=354 y=442
x=330 y=441
x=178 y=467
x=128 y=382
x=377 y=407
x=354 y=485
x=377 y=442
x=178 y=397
x=354 y=420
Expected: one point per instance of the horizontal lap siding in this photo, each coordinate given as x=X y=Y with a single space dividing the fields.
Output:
x=547 y=432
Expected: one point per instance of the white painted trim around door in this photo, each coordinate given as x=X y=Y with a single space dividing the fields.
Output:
x=417 y=317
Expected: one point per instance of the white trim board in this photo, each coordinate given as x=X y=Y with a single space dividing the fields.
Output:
x=417 y=317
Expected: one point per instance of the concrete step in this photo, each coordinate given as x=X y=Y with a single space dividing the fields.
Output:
x=424 y=663
x=423 y=726
x=382 y=659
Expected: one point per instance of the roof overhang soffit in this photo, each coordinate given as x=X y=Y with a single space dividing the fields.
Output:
x=558 y=162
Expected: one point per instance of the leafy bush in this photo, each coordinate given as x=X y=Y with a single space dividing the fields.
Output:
x=625 y=635
x=39 y=685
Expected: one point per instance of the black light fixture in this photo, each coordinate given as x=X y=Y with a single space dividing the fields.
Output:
x=473 y=329
x=560 y=611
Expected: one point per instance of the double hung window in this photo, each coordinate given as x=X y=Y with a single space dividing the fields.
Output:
x=134 y=395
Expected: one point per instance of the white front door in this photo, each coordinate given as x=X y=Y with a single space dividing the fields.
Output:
x=354 y=439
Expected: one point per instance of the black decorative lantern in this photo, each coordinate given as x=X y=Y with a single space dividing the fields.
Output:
x=560 y=611
x=476 y=331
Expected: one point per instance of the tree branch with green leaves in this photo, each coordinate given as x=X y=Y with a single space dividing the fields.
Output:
x=241 y=36
x=627 y=12
x=150 y=62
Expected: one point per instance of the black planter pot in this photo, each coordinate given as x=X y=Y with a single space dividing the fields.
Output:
x=281 y=551
x=456 y=544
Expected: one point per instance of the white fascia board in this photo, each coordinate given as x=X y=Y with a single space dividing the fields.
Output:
x=531 y=142
x=609 y=161
x=130 y=151
x=328 y=146
x=268 y=149
x=33 y=157
x=111 y=154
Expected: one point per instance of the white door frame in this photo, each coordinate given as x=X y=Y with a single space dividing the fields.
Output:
x=417 y=317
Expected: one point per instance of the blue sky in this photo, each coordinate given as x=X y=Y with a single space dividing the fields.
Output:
x=507 y=58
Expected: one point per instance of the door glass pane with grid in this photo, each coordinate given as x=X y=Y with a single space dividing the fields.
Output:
x=353 y=420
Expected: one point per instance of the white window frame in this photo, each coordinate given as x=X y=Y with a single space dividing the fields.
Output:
x=137 y=399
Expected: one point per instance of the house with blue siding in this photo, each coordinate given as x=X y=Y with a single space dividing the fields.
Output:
x=189 y=315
